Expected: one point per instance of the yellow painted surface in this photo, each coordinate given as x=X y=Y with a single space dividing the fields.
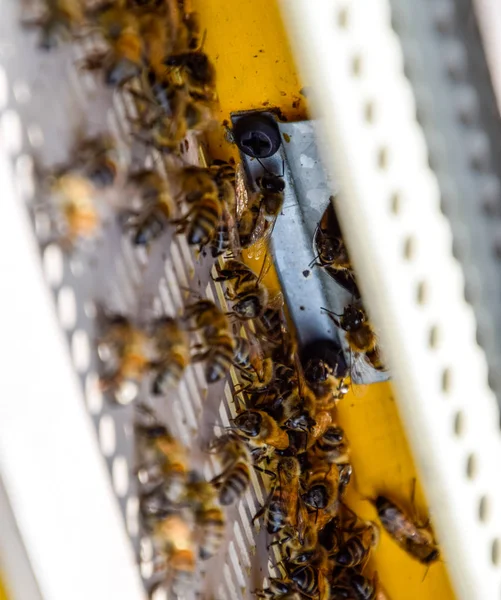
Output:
x=247 y=43
x=3 y=593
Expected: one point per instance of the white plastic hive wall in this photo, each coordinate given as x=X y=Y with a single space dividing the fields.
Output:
x=402 y=248
x=44 y=99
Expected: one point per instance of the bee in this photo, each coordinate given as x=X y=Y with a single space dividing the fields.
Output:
x=322 y=487
x=279 y=589
x=175 y=114
x=60 y=21
x=173 y=348
x=236 y=460
x=271 y=326
x=122 y=61
x=257 y=220
x=355 y=550
x=331 y=447
x=157 y=206
x=196 y=71
x=360 y=334
x=250 y=297
x=312 y=580
x=173 y=536
x=77 y=216
x=354 y=586
x=163 y=458
x=262 y=429
x=218 y=348
x=281 y=507
x=332 y=252
x=201 y=193
x=125 y=351
x=326 y=380
x=417 y=541
x=96 y=158
x=209 y=517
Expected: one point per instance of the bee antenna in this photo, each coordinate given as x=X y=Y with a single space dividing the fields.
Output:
x=330 y=312
x=313 y=261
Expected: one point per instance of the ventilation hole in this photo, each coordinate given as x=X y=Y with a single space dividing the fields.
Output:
x=11 y=131
x=120 y=475
x=422 y=293
x=25 y=185
x=35 y=135
x=4 y=89
x=382 y=158
x=369 y=112
x=479 y=152
x=434 y=336
x=496 y=552
x=107 y=437
x=446 y=380
x=484 y=509
x=409 y=249
x=67 y=307
x=459 y=423
x=22 y=92
x=343 y=18
x=53 y=265
x=42 y=225
x=93 y=394
x=146 y=569
x=444 y=17
x=471 y=466
x=455 y=60
x=489 y=192
x=132 y=516
x=80 y=350
x=145 y=549
x=356 y=65
x=90 y=309
x=396 y=203
x=76 y=266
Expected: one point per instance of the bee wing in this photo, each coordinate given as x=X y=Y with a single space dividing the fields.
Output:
x=276 y=302
x=241 y=192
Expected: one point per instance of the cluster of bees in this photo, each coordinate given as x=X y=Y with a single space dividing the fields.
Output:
x=285 y=425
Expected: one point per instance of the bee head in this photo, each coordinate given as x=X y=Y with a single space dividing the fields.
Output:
x=317 y=496
x=334 y=435
x=352 y=318
x=249 y=423
x=248 y=307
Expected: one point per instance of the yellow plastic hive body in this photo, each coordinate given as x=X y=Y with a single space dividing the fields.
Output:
x=255 y=70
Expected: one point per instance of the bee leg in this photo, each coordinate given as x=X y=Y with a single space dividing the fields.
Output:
x=270 y=474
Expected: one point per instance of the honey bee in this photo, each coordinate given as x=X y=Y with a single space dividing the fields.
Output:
x=201 y=193
x=236 y=460
x=332 y=252
x=209 y=517
x=157 y=207
x=322 y=487
x=196 y=71
x=122 y=61
x=60 y=21
x=173 y=348
x=163 y=458
x=125 y=352
x=310 y=575
x=175 y=114
x=281 y=507
x=359 y=333
x=326 y=378
x=257 y=217
x=280 y=589
x=173 y=537
x=96 y=158
x=353 y=585
x=417 y=541
x=250 y=297
x=77 y=216
x=218 y=348
x=262 y=429
x=355 y=550
x=331 y=447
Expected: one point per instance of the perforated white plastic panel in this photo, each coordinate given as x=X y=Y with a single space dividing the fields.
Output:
x=402 y=248
x=44 y=99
